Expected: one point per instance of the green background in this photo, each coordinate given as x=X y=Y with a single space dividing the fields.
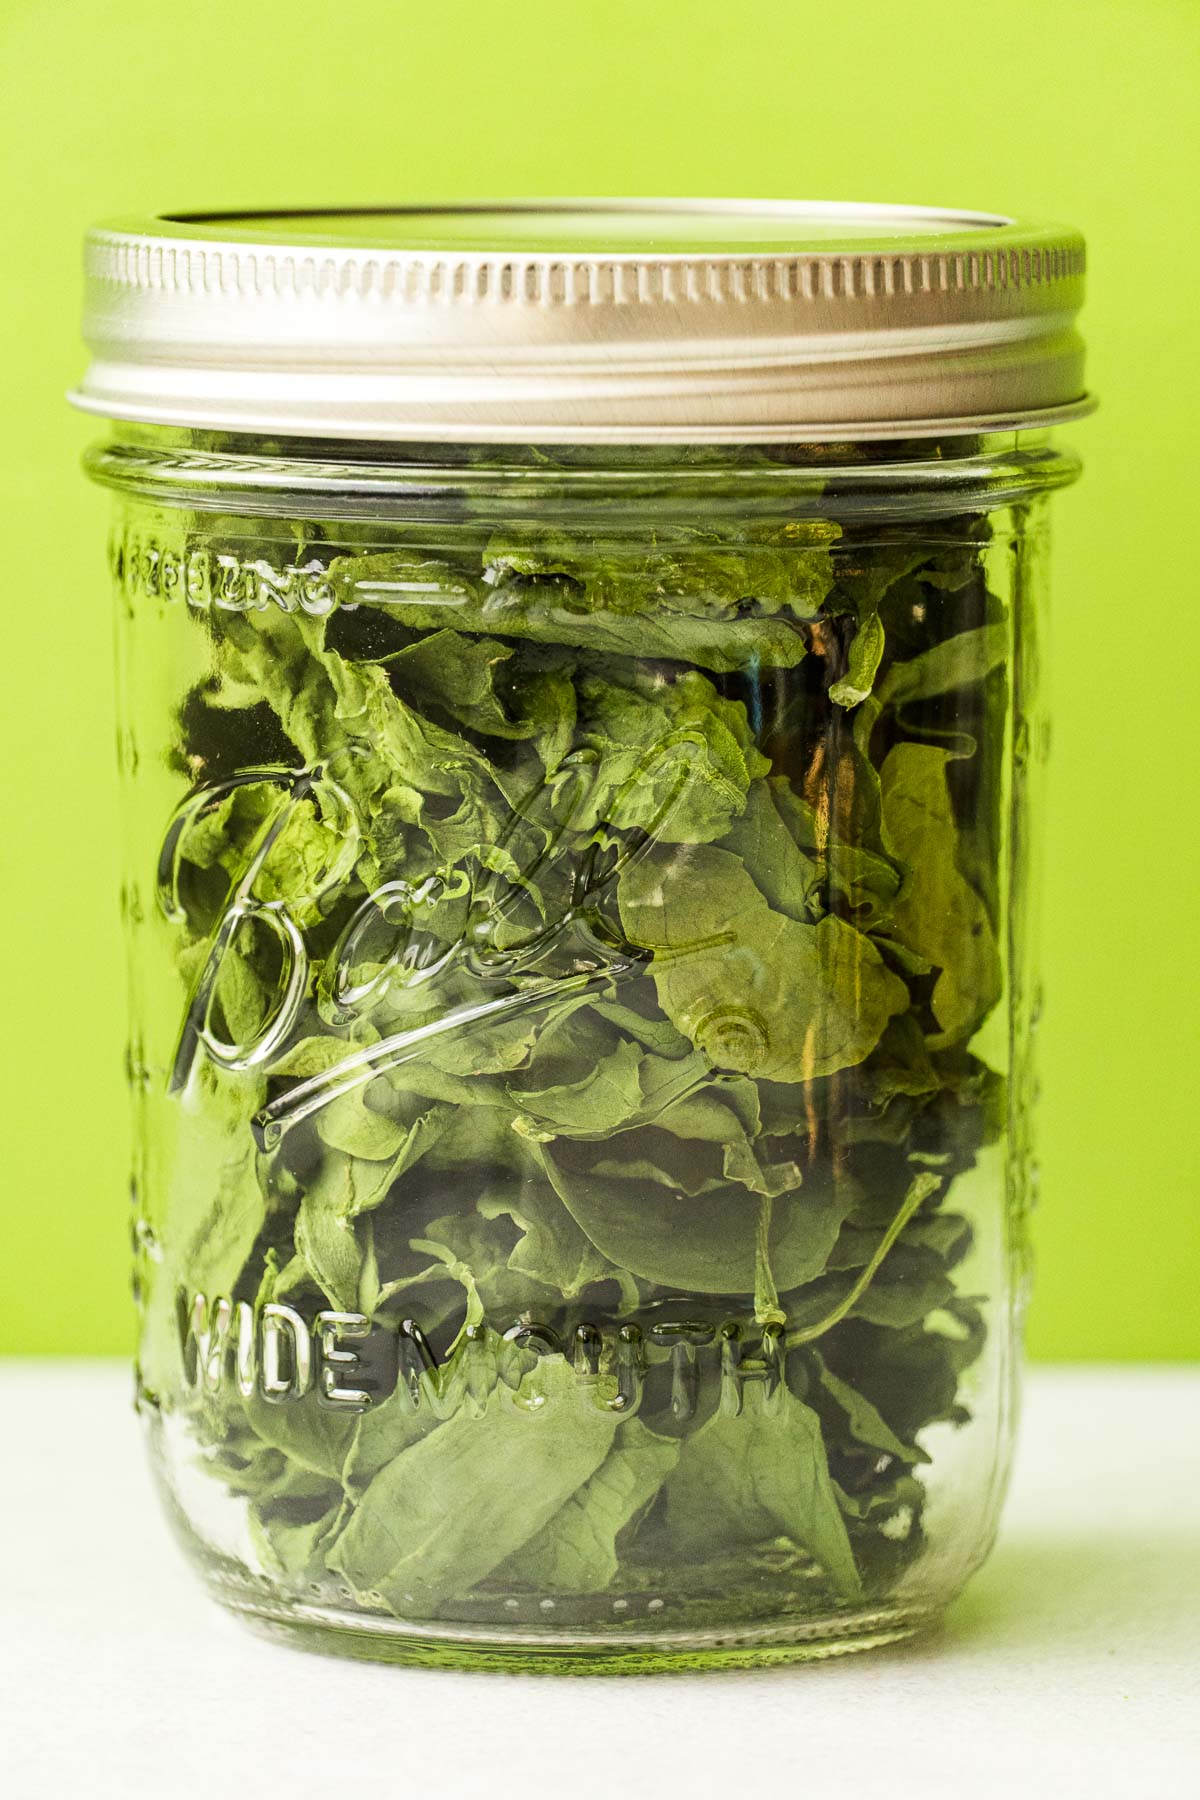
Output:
x=1084 y=110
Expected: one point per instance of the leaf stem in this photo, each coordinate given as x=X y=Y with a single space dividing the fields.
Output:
x=920 y=1188
x=767 y=1309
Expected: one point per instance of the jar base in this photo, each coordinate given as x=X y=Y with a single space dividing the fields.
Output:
x=369 y=1638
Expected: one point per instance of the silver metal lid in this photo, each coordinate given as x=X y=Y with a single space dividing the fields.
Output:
x=586 y=321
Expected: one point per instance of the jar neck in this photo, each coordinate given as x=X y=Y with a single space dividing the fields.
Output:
x=886 y=479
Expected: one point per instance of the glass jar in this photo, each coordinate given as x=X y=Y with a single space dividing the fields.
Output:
x=578 y=899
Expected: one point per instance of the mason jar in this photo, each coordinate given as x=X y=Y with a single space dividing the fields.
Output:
x=578 y=687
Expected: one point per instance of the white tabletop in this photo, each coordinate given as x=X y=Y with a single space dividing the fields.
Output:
x=1071 y=1666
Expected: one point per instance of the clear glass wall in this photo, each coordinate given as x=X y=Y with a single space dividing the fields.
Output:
x=578 y=912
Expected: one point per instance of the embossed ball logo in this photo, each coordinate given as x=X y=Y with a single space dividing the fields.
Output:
x=415 y=929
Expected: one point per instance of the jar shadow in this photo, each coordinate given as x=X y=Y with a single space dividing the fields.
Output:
x=1077 y=1602
x=1048 y=1605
